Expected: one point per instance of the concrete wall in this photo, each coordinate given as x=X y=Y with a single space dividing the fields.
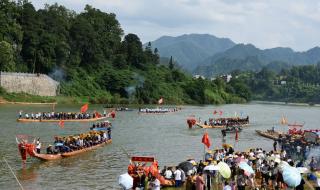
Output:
x=35 y=84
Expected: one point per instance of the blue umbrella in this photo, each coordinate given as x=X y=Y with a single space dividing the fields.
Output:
x=58 y=144
x=291 y=176
x=246 y=167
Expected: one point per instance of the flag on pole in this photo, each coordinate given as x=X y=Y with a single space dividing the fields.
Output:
x=61 y=124
x=84 y=108
x=160 y=101
x=206 y=140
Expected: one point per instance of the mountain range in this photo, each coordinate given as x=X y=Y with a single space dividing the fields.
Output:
x=209 y=55
x=188 y=50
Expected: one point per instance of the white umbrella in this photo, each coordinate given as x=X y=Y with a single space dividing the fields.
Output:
x=291 y=176
x=303 y=170
x=125 y=181
x=211 y=167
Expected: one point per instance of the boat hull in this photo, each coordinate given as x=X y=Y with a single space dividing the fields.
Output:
x=49 y=157
x=73 y=153
x=217 y=126
x=65 y=120
x=274 y=136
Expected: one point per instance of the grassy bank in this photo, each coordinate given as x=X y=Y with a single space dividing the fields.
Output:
x=6 y=97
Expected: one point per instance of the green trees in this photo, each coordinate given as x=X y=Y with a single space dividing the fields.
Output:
x=6 y=58
x=94 y=59
x=297 y=84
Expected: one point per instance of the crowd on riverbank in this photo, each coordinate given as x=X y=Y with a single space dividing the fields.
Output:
x=229 y=170
x=59 y=115
x=78 y=142
x=296 y=146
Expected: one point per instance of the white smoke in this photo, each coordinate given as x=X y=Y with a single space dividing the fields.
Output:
x=58 y=74
x=138 y=83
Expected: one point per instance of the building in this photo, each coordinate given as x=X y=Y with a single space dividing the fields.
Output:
x=199 y=76
x=226 y=78
x=34 y=84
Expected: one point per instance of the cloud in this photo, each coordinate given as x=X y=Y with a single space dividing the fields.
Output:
x=264 y=23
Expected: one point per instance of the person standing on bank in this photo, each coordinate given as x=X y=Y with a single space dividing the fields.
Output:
x=275 y=145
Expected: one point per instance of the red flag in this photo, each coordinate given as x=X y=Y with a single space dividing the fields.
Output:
x=215 y=112
x=220 y=112
x=237 y=135
x=160 y=101
x=84 y=108
x=206 y=140
x=61 y=124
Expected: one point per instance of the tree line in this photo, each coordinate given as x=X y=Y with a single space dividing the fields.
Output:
x=90 y=55
x=296 y=84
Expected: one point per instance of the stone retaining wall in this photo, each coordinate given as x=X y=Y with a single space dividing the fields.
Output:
x=35 y=84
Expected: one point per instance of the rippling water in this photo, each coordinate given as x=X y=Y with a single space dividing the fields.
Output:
x=164 y=136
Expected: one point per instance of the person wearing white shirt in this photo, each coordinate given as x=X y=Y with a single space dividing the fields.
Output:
x=177 y=177
x=168 y=174
x=38 y=146
x=154 y=184
x=226 y=186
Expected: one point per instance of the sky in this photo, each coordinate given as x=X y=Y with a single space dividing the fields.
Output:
x=263 y=23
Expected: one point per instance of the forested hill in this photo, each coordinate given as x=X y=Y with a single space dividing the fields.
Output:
x=190 y=49
x=297 y=84
x=89 y=55
x=249 y=58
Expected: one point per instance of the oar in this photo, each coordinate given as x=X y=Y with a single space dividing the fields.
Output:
x=13 y=173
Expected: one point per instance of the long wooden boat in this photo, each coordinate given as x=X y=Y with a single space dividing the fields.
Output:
x=76 y=152
x=23 y=120
x=209 y=126
x=269 y=134
x=216 y=126
x=30 y=149
x=47 y=157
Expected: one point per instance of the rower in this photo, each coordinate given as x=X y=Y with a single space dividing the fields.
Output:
x=109 y=133
x=38 y=146
x=49 y=149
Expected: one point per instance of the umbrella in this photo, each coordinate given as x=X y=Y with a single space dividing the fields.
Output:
x=224 y=170
x=211 y=168
x=246 y=167
x=283 y=164
x=239 y=159
x=185 y=166
x=291 y=176
x=125 y=181
x=58 y=144
x=303 y=170
x=226 y=145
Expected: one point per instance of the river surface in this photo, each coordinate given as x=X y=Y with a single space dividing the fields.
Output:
x=164 y=136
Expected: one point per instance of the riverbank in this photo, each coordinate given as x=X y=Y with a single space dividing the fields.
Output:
x=27 y=99
x=283 y=103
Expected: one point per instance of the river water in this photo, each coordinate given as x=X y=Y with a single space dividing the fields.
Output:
x=164 y=136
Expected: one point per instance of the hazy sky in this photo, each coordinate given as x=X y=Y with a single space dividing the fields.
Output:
x=264 y=23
